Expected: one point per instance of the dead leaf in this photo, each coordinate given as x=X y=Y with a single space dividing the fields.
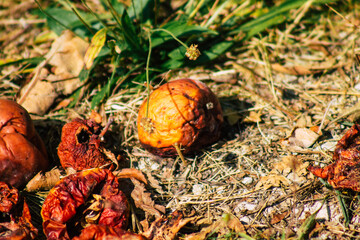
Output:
x=67 y=58
x=276 y=218
x=253 y=117
x=110 y=156
x=301 y=137
x=131 y=173
x=293 y=70
x=166 y=228
x=307 y=70
x=221 y=226
x=63 y=104
x=205 y=231
x=235 y=225
x=40 y=98
x=272 y=180
x=290 y=171
x=44 y=181
x=142 y=199
x=154 y=183
x=231 y=116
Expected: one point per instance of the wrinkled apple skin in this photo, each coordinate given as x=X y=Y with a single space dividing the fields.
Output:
x=184 y=112
x=80 y=146
x=22 y=152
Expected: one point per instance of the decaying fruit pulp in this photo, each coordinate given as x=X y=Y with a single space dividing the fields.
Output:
x=69 y=200
x=183 y=112
x=98 y=232
x=18 y=226
x=81 y=145
x=22 y=152
x=345 y=171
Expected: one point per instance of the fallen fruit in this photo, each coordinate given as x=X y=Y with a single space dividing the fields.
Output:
x=99 y=232
x=345 y=171
x=22 y=152
x=15 y=209
x=81 y=147
x=69 y=200
x=183 y=112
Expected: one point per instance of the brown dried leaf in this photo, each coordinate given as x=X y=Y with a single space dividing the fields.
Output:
x=40 y=98
x=272 y=180
x=154 y=183
x=131 y=173
x=235 y=225
x=44 y=181
x=276 y=218
x=166 y=228
x=143 y=200
x=294 y=70
x=290 y=171
x=306 y=70
x=301 y=137
x=221 y=226
x=67 y=58
x=110 y=156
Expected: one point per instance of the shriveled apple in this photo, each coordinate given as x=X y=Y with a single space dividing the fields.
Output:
x=183 y=113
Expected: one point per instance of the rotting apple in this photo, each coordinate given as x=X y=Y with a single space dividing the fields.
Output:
x=69 y=199
x=17 y=224
x=22 y=152
x=182 y=112
x=81 y=146
x=344 y=172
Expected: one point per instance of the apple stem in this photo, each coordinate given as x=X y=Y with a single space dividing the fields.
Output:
x=177 y=148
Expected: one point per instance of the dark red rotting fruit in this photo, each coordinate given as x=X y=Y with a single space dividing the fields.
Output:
x=344 y=172
x=101 y=232
x=80 y=146
x=22 y=152
x=65 y=200
x=19 y=226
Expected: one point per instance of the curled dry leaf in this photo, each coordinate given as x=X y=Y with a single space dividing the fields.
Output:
x=184 y=112
x=14 y=206
x=22 y=152
x=166 y=228
x=345 y=171
x=131 y=173
x=81 y=146
x=64 y=200
x=44 y=181
x=142 y=199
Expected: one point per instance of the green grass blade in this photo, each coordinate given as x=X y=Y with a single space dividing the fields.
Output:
x=274 y=16
x=308 y=224
x=77 y=13
x=343 y=208
x=178 y=29
x=129 y=32
x=34 y=60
